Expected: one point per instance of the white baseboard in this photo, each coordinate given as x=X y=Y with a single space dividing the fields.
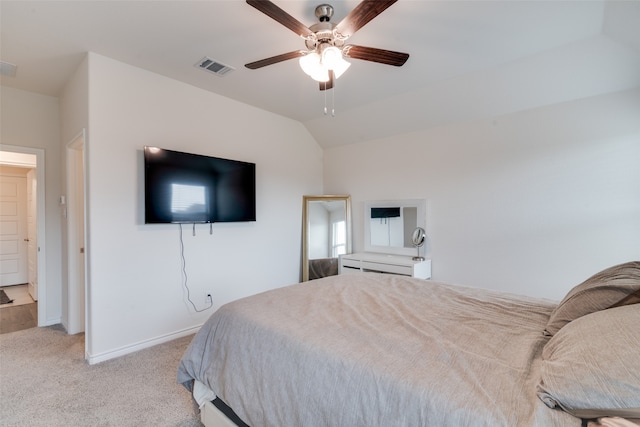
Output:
x=112 y=354
x=50 y=322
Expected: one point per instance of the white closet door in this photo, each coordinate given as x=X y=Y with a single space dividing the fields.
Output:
x=13 y=230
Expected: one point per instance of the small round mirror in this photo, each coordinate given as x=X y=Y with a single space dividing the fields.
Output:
x=418 y=240
x=418 y=237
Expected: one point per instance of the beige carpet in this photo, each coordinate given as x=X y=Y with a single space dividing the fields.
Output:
x=45 y=381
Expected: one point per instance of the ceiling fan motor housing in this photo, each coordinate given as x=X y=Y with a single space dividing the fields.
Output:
x=323 y=32
x=324 y=12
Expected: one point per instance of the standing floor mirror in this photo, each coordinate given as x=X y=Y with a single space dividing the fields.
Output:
x=326 y=234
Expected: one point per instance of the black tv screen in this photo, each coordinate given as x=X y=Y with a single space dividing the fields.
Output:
x=192 y=188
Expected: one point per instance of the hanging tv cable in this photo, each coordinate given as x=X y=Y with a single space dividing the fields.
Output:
x=184 y=273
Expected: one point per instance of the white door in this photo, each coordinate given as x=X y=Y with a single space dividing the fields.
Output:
x=32 y=234
x=13 y=230
x=75 y=318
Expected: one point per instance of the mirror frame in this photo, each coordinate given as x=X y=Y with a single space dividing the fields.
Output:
x=305 y=226
x=421 y=220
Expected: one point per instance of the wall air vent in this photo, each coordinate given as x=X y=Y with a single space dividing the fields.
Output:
x=213 y=66
x=7 y=69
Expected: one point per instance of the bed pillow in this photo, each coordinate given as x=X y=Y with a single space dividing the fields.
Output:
x=615 y=286
x=613 y=422
x=591 y=367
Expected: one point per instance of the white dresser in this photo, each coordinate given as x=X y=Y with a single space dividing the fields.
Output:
x=384 y=263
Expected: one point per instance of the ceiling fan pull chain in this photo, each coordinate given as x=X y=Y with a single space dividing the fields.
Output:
x=333 y=102
x=325 y=101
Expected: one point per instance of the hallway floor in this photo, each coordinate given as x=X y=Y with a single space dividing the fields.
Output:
x=21 y=314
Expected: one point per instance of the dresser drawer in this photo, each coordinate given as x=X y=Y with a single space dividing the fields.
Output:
x=384 y=263
x=387 y=268
x=350 y=270
x=353 y=263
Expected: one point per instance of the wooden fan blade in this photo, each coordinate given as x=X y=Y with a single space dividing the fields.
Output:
x=361 y=15
x=274 y=12
x=329 y=83
x=382 y=56
x=275 y=59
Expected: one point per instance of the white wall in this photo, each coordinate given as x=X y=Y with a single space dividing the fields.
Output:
x=532 y=202
x=32 y=120
x=136 y=295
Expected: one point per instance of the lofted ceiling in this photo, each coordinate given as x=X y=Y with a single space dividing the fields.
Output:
x=469 y=59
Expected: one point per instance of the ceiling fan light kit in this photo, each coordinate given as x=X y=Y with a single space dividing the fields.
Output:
x=318 y=65
x=312 y=66
x=324 y=58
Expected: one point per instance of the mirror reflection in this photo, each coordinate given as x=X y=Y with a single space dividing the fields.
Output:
x=326 y=234
x=393 y=226
x=390 y=224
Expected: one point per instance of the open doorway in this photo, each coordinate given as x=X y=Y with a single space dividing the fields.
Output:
x=22 y=234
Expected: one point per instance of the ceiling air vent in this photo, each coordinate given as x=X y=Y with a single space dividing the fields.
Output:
x=214 y=66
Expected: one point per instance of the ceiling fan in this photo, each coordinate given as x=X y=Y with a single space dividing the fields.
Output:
x=324 y=57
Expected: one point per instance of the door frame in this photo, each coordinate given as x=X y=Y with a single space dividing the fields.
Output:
x=40 y=226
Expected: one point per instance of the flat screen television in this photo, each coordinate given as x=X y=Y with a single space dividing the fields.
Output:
x=192 y=188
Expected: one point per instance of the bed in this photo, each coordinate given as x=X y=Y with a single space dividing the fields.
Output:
x=383 y=350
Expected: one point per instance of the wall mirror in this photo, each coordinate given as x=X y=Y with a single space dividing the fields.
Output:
x=389 y=225
x=326 y=234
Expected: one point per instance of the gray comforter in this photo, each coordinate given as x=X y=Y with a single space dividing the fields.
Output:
x=376 y=350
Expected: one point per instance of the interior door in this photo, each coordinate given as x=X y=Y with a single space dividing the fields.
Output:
x=75 y=317
x=32 y=234
x=13 y=230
